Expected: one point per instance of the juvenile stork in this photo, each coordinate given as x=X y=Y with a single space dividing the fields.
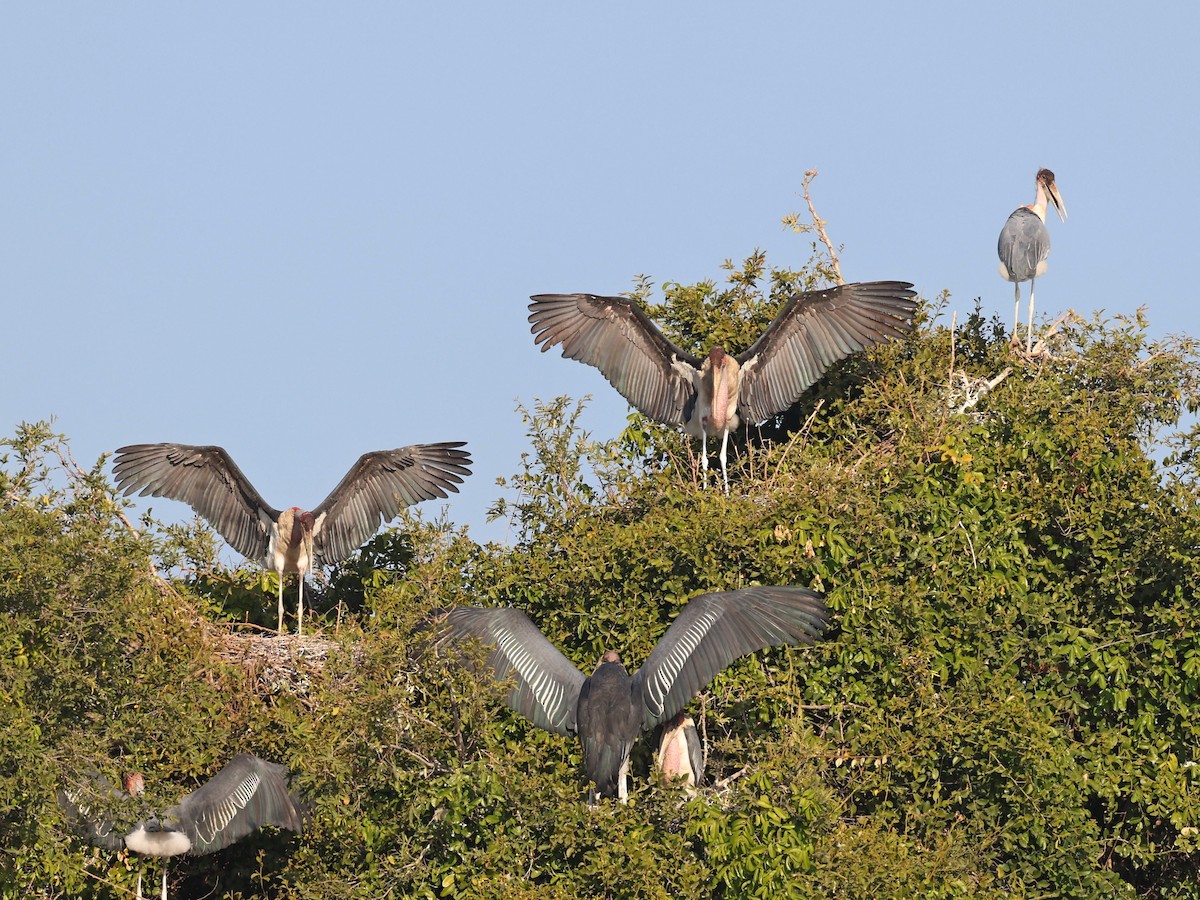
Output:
x=610 y=708
x=711 y=397
x=246 y=795
x=374 y=491
x=1024 y=245
x=680 y=754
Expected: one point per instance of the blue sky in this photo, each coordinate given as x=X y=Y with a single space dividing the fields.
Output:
x=303 y=231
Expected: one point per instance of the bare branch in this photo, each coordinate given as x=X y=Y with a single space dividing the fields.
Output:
x=819 y=225
x=979 y=391
x=1042 y=347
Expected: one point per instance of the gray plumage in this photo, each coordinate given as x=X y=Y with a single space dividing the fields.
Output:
x=1024 y=245
x=247 y=794
x=812 y=331
x=243 y=797
x=710 y=397
x=374 y=491
x=609 y=708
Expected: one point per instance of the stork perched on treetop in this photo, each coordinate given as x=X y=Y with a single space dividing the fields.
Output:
x=1024 y=245
x=610 y=708
x=711 y=397
x=374 y=491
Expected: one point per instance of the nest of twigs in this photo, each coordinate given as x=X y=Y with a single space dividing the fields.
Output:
x=277 y=663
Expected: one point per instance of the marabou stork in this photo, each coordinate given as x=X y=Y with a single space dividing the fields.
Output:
x=374 y=491
x=680 y=755
x=243 y=797
x=1024 y=245
x=711 y=397
x=609 y=708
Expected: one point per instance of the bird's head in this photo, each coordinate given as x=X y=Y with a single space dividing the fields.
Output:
x=133 y=783
x=302 y=524
x=1046 y=179
x=679 y=720
x=608 y=656
x=716 y=356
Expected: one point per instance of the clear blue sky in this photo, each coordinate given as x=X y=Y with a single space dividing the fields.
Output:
x=306 y=231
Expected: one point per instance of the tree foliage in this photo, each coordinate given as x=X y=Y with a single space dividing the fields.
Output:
x=1005 y=704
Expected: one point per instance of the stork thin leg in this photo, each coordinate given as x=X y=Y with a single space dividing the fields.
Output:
x=139 y=897
x=622 y=787
x=300 y=606
x=724 y=448
x=704 y=456
x=164 y=890
x=1012 y=339
x=1029 y=348
x=281 y=603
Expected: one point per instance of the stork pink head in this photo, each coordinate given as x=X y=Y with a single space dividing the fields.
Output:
x=133 y=783
x=302 y=524
x=609 y=656
x=716 y=356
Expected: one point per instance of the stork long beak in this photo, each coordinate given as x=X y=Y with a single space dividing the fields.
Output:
x=1056 y=199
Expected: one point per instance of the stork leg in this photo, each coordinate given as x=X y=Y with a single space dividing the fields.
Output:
x=139 y=896
x=300 y=605
x=622 y=786
x=724 y=448
x=1012 y=340
x=704 y=456
x=164 y=890
x=1029 y=347
x=281 y=603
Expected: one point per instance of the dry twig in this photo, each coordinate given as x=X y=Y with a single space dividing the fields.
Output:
x=819 y=225
x=1041 y=349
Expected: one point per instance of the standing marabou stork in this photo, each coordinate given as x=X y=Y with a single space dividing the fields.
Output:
x=243 y=797
x=711 y=397
x=609 y=708
x=374 y=491
x=680 y=754
x=1024 y=245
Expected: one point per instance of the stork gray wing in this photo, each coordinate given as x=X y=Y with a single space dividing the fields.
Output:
x=695 y=751
x=206 y=479
x=616 y=336
x=814 y=330
x=715 y=629
x=548 y=685
x=95 y=830
x=243 y=797
x=1023 y=245
x=378 y=486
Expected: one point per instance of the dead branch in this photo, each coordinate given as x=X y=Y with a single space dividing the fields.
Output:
x=819 y=225
x=1042 y=348
x=725 y=782
x=977 y=391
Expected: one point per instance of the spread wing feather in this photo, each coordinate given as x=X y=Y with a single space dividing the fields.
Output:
x=206 y=479
x=715 y=629
x=547 y=684
x=814 y=330
x=78 y=810
x=243 y=797
x=378 y=486
x=616 y=336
